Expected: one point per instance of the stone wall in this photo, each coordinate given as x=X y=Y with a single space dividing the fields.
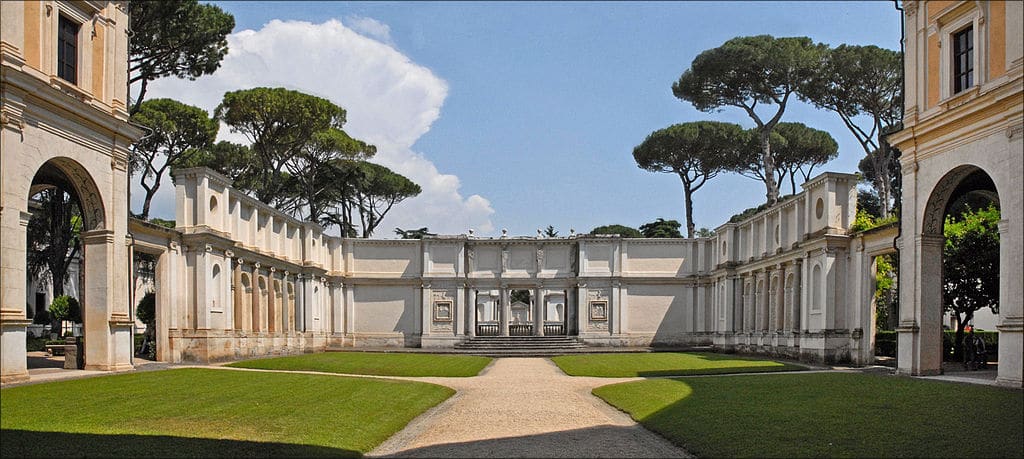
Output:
x=778 y=283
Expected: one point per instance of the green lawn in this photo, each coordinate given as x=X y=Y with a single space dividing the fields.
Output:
x=378 y=364
x=664 y=364
x=826 y=414
x=202 y=412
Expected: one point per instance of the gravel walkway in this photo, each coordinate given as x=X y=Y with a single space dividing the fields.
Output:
x=525 y=407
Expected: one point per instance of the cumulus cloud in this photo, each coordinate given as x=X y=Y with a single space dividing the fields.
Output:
x=391 y=102
x=371 y=28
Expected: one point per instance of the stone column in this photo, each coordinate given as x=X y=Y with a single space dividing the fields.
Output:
x=103 y=322
x=338 y=309
x=13 y=322
x=301 y=311
x=426 y=309
x=540 y=307
x=470 y=308
x=582 y=308
x=459 y=310
x=920 y=327
x=506 y=311
x=1011 y=312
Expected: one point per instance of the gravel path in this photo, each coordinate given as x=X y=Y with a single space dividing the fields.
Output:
x=525 y=407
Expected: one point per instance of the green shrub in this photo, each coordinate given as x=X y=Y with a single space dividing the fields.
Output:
x=146 y=310
x=34 y=344
x=885 y=343
x=991 y=339
x=66 y=307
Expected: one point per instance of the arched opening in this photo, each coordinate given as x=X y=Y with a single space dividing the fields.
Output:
x=884 y=307
x=520 y=320
x=259 y=305
x=790 y=300
x=291 y=307
x=244 y=302
x=959 y=275
x=748 y=307
x=275 y=322
x=816 y=289
x=215 y=291
x=776 y=303
x=63 y=236
x=146 y=295
x=759 y=300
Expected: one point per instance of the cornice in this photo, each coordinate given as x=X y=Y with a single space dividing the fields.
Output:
x=44 y=95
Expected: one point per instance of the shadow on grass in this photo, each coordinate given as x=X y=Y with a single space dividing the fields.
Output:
x=719 y=371
x=825 y=415
x=26 y=443
x=756 y=367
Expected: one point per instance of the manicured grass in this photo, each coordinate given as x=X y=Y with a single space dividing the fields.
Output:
x=208 y=413
x=826 y=414
x=664 y=364
x=378 y=364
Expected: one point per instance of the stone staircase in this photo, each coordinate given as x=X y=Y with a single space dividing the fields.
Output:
x=522 y=346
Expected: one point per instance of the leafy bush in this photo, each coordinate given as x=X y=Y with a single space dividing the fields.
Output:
x=991 y=339
x=865 y=221
x=42 y=317
x=34 y=344
x=885 y=343
x=66 y=307
x=146 y=310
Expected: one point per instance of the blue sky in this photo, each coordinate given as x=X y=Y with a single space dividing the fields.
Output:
x=525 y=114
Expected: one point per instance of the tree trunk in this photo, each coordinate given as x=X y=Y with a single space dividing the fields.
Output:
x=688 y=203
x=147 y=200
x=768 y=162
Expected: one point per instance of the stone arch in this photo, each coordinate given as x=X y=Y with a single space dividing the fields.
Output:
x=920 y=342
x=72 y=176
x=957 y=182
x=107 y=319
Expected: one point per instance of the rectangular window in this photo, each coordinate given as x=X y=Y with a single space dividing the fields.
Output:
x=67 y=50
x=963 y=59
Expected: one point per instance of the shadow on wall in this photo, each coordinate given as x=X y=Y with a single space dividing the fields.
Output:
x=24 y=443
x=674 y=327
x=600 y=441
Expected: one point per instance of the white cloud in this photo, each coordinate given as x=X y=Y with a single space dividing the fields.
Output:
x=371 y=28
x=391 y=102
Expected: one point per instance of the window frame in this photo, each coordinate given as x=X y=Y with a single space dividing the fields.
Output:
x=62 y=53
x=947 y=26
x=958 y=74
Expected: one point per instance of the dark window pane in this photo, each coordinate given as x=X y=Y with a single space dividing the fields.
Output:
x=67 y=50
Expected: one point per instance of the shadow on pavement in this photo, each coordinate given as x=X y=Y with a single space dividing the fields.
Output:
x=601 y=441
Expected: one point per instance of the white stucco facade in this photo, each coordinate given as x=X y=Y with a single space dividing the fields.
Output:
x=247 y=280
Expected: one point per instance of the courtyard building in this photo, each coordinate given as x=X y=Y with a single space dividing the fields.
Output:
x=236 y=278
x=963 y=124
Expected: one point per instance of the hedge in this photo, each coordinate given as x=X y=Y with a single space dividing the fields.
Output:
x=885 y=343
